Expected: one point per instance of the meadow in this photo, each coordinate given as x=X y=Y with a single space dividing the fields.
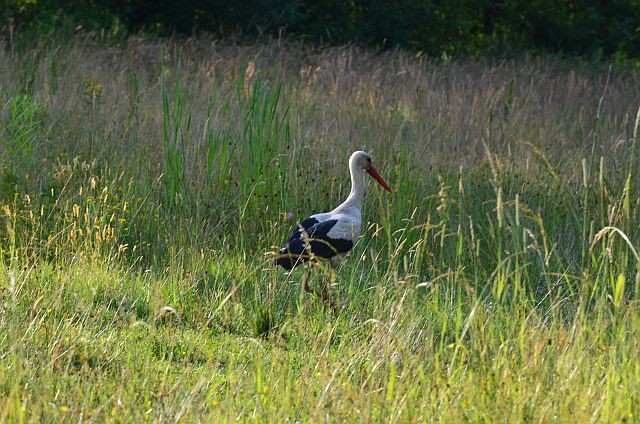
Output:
x=143 y=186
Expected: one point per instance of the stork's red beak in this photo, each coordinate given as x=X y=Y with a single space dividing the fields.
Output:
x=374 y=173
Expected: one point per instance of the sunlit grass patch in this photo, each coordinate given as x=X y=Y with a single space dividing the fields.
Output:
x=144 y=186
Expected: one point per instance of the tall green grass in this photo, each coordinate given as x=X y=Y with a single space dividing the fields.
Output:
x=143 y=187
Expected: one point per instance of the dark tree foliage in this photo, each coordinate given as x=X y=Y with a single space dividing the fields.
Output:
x=586 y=27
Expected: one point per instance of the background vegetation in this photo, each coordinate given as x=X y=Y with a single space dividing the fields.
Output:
x=142 y=185
x=461 y=27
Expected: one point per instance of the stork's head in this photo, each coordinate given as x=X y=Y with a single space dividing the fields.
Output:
x=362 y=160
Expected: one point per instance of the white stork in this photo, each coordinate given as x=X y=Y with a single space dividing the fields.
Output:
x=330 y=235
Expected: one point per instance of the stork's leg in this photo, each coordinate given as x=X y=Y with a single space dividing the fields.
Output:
x=326 y=285
x=326 y=296
x=305 y=282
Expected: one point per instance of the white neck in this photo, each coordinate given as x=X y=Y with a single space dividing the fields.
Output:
x=354 y=200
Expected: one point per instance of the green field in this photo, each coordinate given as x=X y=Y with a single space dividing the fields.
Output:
x=144 y=185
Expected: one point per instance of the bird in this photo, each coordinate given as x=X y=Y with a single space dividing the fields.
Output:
x=331 y=235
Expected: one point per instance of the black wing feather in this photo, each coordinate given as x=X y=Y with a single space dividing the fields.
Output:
x=305 y=224
x=314 y=237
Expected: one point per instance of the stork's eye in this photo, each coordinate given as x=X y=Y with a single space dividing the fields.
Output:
x=369 y=160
